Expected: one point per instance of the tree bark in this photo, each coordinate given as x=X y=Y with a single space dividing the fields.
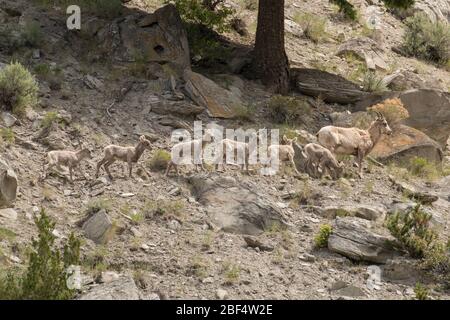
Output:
x=270 y=62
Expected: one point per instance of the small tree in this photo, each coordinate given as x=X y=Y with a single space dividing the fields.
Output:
x=45 y=277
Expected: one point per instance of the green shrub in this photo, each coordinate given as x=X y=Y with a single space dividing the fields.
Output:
x=288 y=110
x=10 y=39
x=372 y=82
x=204 y=43
x=105 y=8
x=422 y=168
x=7 y=135
x=211 y=14
x=313 y=26
x=53 y=76
x=163 y=208
x=231 y=272
x=159 y=161
x=400 y=4
x=251 y=5
x=426 y=39
x=411 y=228
x=18 y=88
x=321 y=239
x=245 y=113
x=32 y=34
x=45 y=277
x=49 y=118
x=421 y=292
x=346 y=8
x=97 y=204
x=6 y=234
x=350 y=12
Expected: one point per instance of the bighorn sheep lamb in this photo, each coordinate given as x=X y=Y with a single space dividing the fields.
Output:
x=320 y=158
x=353 y=141
x=191 y=145
x=126 y=154
x=70 y=159
x=286 y=152
x=230 y=146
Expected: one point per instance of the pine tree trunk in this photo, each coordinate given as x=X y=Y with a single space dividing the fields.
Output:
x=270 y=60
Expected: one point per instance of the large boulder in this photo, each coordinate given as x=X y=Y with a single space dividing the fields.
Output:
x=234 y=206
x=329 y=87
x=98 y=227
x=405 y=143
x=158 y=37
x=436 y=10
x=429 y=110
x=414 y=191
x=403 y=79
x=367 y=50
x=220 y=103
x=8 y=184
x=124 y=288
x=358 y=239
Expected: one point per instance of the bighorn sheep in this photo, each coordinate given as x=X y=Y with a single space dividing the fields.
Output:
x=191 y=145
x=70 y=159
x=127 y=154
x=353 y=141
x=286 y=151
x=319 y=158
x=229 y=146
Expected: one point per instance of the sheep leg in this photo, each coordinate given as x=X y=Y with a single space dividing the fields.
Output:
x=71 y=175
x=360 y=157
x=106 y=166
x=291 y=161
x=46 y=171
x=81 y=171
x=169 y=165
x=99 y=164
x=130 y=168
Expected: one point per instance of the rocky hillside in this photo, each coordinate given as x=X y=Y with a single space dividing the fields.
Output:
x=217 y=235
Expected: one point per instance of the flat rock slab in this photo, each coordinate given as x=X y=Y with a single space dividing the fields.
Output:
x=368 y=212
x=236 y=207
x=8 y=213
x=97 y=227
x=413 y=192
x=404 y=144
x=367 y=50
x=8 y=184
x=220 y=102
x=123 y=288
x=357 y=239
x=330 y=87
x=401 y=269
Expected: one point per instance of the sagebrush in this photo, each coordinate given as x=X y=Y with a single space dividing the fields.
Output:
x=18 y=88
x=426 y=39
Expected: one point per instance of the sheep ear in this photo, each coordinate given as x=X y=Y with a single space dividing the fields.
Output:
x=294 y=140
x=142 y=138
x=284 y=138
